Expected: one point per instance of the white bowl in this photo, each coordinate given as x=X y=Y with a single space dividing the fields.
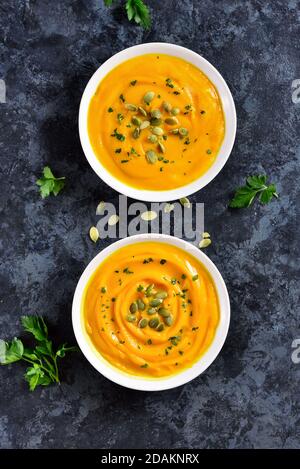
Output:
x=142 y=383
x=228 y=108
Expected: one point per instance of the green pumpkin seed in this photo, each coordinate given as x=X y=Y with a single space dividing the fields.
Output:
x=153 y=323
x=152 y=138
x=167 y=106
x=151 y=156
x=157 y=131
x=156 y=113
x=140 y=304
x=154 y=121
x=142 y=111
x=151 y=311
x=183 y=131
x=175 y=111
x=144 y=125
x=130 y=318
x=148 y=97
x=204 y=243
x=161 y=294
x=136 y=121
x=149 y=289
x=164 y=312
x=171 y=120
x=161 y=147
x=131 y=107
x=185 y=202
x=133 y=307
x=136 y=133
x=156 y=302
x=174 y=131
x=143 y=323
x=168 y=320
x=160 y=327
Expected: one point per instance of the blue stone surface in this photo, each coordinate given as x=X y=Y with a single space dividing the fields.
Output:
x=249 y=397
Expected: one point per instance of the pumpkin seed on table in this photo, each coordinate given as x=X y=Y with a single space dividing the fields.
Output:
x=164 y=312
x=168 y=320
x=167 y=106
x=113 y=220
x=100 y=208
x=131 y=107
x=143 y=323
x=149 y=215
x=204 y=243
x=160 y=327
x=185 y=202
x=94 y=234
x=133 y=307
x=130 y=318
x=153 y=323
x=136 y=121
x=151 y=311
x=171 y=121
x=148 y=97
x=144 y=125
x=140 y=304
x=142 y=111
x=157 y=131
x=156 y=302
x=151 y=156
x=205 y=235
x=161 y=294
x=152 y=138
x=168 y=208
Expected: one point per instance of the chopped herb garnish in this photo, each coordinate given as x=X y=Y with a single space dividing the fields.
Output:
x=110 y=109
x=124 y=161
x=133 y=82
x=127 y=271
x=147 y=261
x=118 y=135
x=169 y=83
x=195 y=329
x=208 y=152
x=120 y=117
x=162 y=261
x=145 y=365
x=140 y=288
x=103 y=290
x=122 y=98
x=118 y=150
x=195 y=277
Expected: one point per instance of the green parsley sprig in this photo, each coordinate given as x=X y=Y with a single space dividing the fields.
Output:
x=48 y=183
x=136 y=11
x=43 y=359
x=255 y=186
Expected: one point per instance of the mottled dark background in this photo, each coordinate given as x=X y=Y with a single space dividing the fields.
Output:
x=249 y=397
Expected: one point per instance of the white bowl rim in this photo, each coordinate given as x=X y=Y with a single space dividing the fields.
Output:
x=228 y=109
x=141 y=383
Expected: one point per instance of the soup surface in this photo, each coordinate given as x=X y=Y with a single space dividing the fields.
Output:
x=156 y=122
x=151 y=309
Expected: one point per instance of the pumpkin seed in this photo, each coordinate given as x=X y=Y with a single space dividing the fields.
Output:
x=175 y=111
x=143 y=323
x=149 y=289
x=183 y=131
x=133 y=307
x=142 y=111
x=140 y=304
x=152 y=138
x=167 y=106
x=156 y=302
x=151 y=311
x=136 y=121
x=153 y=323
x=171 y=120
x=174 y=131
x=94 y=234
x=204 y=243
x=136 y=133
x=154 y=121
x=157 y=131
x=130 y=318
x=151 y=156
x=113 y=220
x=131 y=107
x=168 y=320
x=148 y=97
x=149 y=215
x=185 y=202
x=144 y=125
x=205 y=235
x=161 y=147
x=100 y=208
x=161 y=294
x=156 y=113
x=160 y=327
x=164 y=312
x=168 y=208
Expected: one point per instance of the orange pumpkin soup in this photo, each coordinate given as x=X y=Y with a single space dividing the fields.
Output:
x=156 y=122
x=151 y=309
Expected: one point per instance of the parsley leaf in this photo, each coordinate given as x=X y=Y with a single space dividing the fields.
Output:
x=108 y=3
x=255 y=186
x=48 y=183
x=43 y=368
x=139 y=12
